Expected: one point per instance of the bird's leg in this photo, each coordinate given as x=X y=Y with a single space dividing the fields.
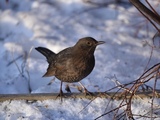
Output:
x=85 y=89
x=60 y=92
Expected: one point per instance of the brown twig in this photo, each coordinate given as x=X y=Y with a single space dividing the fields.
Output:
x=130 y=92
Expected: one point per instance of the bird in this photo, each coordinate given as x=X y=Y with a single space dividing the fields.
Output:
x=73 y=63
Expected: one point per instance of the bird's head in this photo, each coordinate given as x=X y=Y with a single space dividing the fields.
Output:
x=87 y=44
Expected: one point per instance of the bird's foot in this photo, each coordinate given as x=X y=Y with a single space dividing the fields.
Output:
x=60 y=95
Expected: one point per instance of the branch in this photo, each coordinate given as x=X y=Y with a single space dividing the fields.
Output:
x=46 y=96
x=147 y=12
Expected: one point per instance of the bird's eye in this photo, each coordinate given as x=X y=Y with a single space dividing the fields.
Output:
x=89 y=43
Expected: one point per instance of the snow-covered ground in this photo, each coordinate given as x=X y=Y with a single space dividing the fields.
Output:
x=57 y=24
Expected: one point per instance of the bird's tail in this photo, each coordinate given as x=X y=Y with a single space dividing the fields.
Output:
x=47 y=53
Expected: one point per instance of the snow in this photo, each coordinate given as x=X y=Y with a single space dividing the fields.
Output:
x=57 y=24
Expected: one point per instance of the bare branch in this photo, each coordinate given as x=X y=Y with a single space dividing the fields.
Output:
x=45 y=96
x=147 y=12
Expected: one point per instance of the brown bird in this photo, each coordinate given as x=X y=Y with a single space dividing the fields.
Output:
x=71 y=64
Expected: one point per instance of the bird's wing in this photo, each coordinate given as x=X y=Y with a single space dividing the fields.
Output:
x=64 y=60
x=60 y=63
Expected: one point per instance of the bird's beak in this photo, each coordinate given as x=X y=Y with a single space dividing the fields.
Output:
x=100 y=42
